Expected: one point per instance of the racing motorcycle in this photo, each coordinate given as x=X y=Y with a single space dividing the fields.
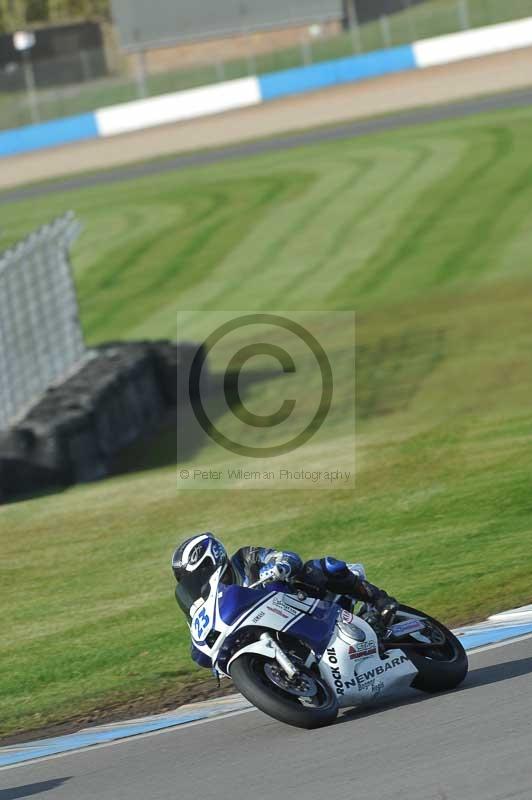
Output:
x=301 y=658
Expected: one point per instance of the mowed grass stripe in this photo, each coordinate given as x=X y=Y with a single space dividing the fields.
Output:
x=357 y=209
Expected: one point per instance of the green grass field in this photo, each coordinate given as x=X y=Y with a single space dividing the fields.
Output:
x=433 y=18
x=426 y=233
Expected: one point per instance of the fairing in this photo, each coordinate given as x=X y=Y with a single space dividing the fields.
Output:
x=231 y=620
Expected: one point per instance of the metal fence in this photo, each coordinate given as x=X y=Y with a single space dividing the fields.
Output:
x=142 y=73
x=40 y=334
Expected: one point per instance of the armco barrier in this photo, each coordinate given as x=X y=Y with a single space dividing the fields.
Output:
x=244 y=92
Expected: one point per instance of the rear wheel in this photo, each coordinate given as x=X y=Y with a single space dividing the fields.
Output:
x=306 y=701
x=441 y=667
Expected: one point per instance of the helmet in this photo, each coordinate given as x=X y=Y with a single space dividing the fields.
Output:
x=194 y=562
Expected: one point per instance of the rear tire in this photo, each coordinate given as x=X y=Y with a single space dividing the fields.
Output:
x=438 y=673
x=247 y=672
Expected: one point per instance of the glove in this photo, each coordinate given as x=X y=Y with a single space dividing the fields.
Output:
x=385 y=605
x=275 y=571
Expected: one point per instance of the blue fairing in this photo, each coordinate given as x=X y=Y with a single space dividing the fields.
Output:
x=235 y=601
x=201 y=659
x=317 y=628
x=314 y=629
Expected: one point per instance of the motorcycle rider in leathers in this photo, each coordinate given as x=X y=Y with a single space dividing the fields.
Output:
x=198 y=557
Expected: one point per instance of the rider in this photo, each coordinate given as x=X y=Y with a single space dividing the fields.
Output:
x=198 y=557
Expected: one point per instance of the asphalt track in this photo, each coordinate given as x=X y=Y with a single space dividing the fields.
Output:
x=471 y=744
x=419 y=116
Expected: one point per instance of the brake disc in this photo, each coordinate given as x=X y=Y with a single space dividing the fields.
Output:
x=301 y=685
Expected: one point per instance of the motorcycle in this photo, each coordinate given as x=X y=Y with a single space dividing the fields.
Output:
x=300 y=658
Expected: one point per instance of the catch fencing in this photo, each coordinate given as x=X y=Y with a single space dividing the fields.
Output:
x=41 y=340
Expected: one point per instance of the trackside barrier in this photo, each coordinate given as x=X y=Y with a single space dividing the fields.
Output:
x=474 y=43
x=41 y=340
x=331 y=73
x=178 y=106
x=48 y=134
x=245 y=92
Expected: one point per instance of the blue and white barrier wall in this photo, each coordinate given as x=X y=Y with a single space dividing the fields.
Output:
x=193 y=103
x=473 y=43
x=48 y=134
x=178 y=106
x=332 y=73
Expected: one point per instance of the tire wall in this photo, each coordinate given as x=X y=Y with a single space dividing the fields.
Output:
x=71 y=435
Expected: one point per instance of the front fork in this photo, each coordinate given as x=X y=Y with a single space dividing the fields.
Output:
x=280 y=656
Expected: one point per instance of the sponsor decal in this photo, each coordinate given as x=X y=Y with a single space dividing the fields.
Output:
x=293 y=602
x=375 y=686
x=278 y=612
x=286 y=609
x=258 y=616
x=335 y=672
x=369 y=677
x=362 y=650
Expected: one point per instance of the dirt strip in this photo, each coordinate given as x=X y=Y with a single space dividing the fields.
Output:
x=390 y=93
x=168 y=700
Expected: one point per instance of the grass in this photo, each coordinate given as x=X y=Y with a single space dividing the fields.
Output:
x=426 y=233
x=433 y=18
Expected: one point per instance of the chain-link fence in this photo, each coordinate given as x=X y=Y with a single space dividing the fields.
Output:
x=171 y=66
x=40 y=334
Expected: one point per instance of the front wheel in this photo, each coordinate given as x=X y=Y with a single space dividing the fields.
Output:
x=306 y=701
x=441 y=667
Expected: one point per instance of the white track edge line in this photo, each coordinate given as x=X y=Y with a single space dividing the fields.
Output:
x=91 y=747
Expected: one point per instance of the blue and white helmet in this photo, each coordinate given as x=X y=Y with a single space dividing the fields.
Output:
x=194 y=562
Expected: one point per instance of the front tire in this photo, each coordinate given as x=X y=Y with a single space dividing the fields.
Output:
x=251 y=679
x=440 y=669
